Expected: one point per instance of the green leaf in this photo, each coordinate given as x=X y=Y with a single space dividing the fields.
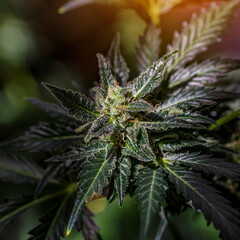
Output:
x=148 y=51
x=100 y=127
x=202 y=31
x=46 y=137
x=106 y=76
x=93 y=178
x=122 y=177
x=88 y=226
x=193 y=98
x=151 y=188
x=151 y=78
x=78 y=105
x=189 y=120
x=205 y=72
x=19 y=170
x=207 y=164
x=54 y=110
x=207 y=199
x=52 y=223
x=15 y=206
x=139 y=106
x=137 y=146
x=83 y=152
x=117 y=62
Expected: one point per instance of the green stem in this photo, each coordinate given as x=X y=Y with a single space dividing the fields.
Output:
x=224 y=120
x=67 y=190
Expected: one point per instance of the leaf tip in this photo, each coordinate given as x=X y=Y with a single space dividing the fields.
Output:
x=68 y=232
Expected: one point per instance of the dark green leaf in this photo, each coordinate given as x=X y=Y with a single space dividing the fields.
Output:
x=122 y=177
x=117 y=62
x=151 y=78
x=151 y=189
x=78 y=105
x=205 y=198
x=149 y=49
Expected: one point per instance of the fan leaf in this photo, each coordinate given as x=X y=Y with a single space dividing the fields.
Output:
x=93 y=178
x=202 y=31
x=122 y=177
x=151 y=188
x=151 y=78
x=149 y=49
x=117 y=62
x=205 y=198
x=78 y=105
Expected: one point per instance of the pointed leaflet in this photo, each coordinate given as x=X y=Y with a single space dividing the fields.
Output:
x=204 y=197
x=151 y=188
x=93 y=178
x=189 y=120
x=15 y=206
x=205 y=72
x=117 y=62
x=46 y=137
x=52 y=224
x=54 y=110
x=18 y=169
x=105 y=72
x=83 y=152
x=137 y=145
x=151 y=77
x=100 y=127
x=149 y=49
x=201 y=32
x=78 y=104
x=206 y=164
x=122 y=177
x=139 y=106
x=87 y=225
x=193 y=98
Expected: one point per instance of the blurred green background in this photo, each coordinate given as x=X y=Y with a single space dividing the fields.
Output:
x=37 y=44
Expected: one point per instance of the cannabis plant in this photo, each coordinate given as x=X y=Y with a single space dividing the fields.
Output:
x=151 y=137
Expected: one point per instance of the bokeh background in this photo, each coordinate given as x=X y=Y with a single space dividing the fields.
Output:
x=37 y=44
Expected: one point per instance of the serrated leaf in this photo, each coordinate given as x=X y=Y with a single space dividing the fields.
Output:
x=78 y=105
x=189 y=120
x=106 y=76
x=88 y=227
x=46 y=137
x=117 y=62
x=93 y=178
x=139 y=106
x=122 y=177
x=207 y=199
x=205 y=72
x=54 y=110
x=151 y=78
x=83 y=152
x=52 y=223
x=12 y=207
x=207 y=164
x=148 y=51
x=19 y=170
x=202 y=31
x=137 y=146
x=193 y=98
x=100 y=127
x=151 y=188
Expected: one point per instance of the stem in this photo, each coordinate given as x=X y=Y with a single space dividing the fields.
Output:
x=224 y=120
x=69 y=189
x=162 y=225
